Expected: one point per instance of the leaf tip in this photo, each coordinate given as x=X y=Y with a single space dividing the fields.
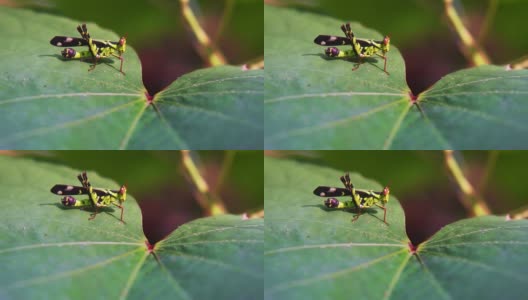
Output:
x=412 y=248
x=149 y=97
x=150 y=247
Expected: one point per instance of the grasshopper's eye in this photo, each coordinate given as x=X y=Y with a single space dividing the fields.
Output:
x=386 y=40
x=122 y=190
x=386 y=190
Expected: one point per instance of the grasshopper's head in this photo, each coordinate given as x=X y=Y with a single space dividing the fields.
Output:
x=122 y=194
x=385 y=44
x=121 y=47
x=385 y=195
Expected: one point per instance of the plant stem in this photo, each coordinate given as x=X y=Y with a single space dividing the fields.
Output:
x=490 y=166
x=488 y=20
x=229 y=156
x=471 y=201
x=207 y=49
x=209 y=201
x=518 y=214
x=254 y=215
x=226 y=16
x=470 y=49
x=254 y=65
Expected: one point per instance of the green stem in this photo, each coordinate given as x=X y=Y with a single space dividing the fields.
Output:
x=207 y=49
x=470 y=49
x=490 y=167
x=488 y=20
x=471 y=201
x=229 y=156
x=209 y=201
x=226 y=16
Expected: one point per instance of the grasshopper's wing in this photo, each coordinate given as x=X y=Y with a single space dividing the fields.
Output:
x=63 y=189
x=330 y=40
x=326 y=191
x=367 y=193
x=364 y=43
x=65 y=41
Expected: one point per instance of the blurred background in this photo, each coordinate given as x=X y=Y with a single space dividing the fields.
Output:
x=160 y=35
x=425 y=186
x=162 y=184
x=421 y=31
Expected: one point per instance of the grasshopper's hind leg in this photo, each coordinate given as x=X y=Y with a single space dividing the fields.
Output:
x=349 y=186
x=360 y=61
x=356 y=216
x=83 y=31
x=92 y=216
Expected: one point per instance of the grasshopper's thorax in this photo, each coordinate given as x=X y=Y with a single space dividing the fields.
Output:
x=385 y=195
x=385 y=45
x=122 y=194
x=121 y=47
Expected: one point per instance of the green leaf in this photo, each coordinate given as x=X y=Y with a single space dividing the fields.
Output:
x=314 y=253
x=50 y=250
x=478 y=108
x=314 y=102
x=47 y=102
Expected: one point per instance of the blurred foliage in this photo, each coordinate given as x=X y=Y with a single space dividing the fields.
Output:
x=422 y=183
x=159 y=184
x=155 y=29
x=421 y=32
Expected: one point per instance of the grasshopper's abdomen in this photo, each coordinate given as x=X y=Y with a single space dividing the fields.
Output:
x=334 y=203
x=70 y=53
x=336 y=52
x=71 y=201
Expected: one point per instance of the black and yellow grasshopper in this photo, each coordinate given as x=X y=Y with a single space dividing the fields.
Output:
x=361 y=48
x=360 y=198
x=96 y=197
x=97 y=49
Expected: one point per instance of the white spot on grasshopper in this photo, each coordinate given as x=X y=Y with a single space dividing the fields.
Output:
x=322 y=194
x=59 y=44
x=68 y=40
x=331 y=190
x=69 y=187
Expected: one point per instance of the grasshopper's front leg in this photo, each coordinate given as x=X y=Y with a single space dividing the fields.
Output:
x=93 y=49
x=120 y=56
x=384 y=56
x=122 y=211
